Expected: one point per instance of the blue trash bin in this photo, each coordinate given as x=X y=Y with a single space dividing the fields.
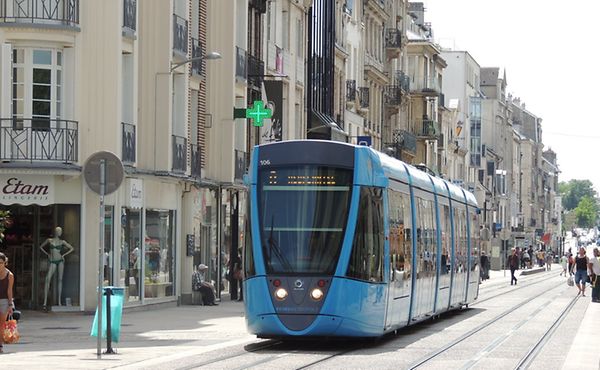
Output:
x=116 y=313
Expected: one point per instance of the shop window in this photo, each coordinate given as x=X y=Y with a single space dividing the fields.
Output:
x=131 y=253
x=159 y=254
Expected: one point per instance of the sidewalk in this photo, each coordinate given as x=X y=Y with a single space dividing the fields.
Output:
x=63 y=341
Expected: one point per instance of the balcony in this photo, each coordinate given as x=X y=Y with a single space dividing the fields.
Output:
x=350 y=91
x=196 y=160
x=392 y=96
x=429 y=129
x=256 y=71
x=406 y=141
x=129 y=15
x=180 y=35
x=363 y=97
x=240 y=164
x=393 y=42
x=260 y=5
x=403 y=80
x=179 y=154
x=197 y=52
x=29 y=139
x=428 y=86
x=241 y=65
x=128 y=143
x=56 y=12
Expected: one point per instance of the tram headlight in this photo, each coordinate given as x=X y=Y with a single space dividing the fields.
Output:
x=316 y=294
x=281 y=294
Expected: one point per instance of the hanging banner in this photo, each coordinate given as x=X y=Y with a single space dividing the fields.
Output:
x=27 y=189
x=136 y=193
x=272 y=130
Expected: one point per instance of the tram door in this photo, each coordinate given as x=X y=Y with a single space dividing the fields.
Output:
x=400 y=247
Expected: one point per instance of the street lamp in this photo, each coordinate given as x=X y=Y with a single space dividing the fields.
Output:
x=210 y=56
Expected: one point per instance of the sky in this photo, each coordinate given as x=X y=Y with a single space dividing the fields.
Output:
x=550 y=52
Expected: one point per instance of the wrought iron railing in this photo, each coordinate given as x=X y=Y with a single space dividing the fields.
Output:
x=393 y=38
x=197 y=51
x=392 y=95
x=65 y=12
x=240 y=164
x=364 y=97
x=129 y=14
x=241 y=63
x=403 y=80
x=179 y=154
x=39 y=139
x=128 y=145
x=429 y=129
x=351 y=90
x=260 y=5
x=196 y=160
x=256 y=71
x=180 y=34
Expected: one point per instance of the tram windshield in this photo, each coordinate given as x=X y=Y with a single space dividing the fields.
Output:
x=303 y=212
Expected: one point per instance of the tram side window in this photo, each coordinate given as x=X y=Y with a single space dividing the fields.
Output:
x=445 y=228
x=407 y=242
x=248 y=252
x=398 y=252
x=366 y=260
x=475 y=242
x=426 y=238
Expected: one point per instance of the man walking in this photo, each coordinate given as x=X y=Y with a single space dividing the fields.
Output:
x=594 y=271
x=513 y=264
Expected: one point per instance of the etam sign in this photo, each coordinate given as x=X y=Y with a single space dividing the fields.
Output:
x=26 y=189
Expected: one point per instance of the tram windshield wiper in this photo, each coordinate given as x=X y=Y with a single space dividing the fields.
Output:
x=274 y=249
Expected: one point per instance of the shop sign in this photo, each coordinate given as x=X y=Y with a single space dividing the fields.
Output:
x=26 y=189
x=136 y=193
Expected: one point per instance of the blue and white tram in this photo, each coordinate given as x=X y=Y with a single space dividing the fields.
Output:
x=346 y=241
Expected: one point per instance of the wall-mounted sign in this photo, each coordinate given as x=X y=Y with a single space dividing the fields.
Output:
x=27 y=189
x=136 y=193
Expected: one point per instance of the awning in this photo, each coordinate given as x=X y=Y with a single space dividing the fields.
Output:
x=325 y=128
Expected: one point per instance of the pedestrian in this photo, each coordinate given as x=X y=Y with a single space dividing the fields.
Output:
x=7 y=304
x=564 y=262
x=580 y=268
x=206 y=289
x=485 y=266
x=549 y=258
x=513 y=264
x=594 y=271
x=571 y=262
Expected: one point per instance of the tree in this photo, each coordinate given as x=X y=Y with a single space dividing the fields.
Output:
x=586 y=212
x=573 y=191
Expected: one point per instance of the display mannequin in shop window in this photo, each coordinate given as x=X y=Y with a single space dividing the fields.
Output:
x=57 y=250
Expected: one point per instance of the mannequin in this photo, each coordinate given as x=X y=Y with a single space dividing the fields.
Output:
x=56 y=261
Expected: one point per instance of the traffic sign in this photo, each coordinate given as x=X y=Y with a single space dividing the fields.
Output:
x=113 y=172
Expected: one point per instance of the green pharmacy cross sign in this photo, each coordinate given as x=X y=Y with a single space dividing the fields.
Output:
x=257 y=113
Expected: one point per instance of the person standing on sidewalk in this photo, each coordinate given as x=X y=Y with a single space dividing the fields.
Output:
x=581 y=266
x=7 y=304
x=513 y=264
x=594 y=267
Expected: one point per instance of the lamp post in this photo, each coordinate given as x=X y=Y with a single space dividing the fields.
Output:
x=210 y=56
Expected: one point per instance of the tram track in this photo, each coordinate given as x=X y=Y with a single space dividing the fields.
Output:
x=434 y=354
x=275 y=344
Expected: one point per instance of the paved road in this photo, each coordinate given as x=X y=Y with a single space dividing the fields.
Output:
x=189 y=336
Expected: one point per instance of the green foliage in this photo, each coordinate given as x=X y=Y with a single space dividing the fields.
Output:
x=574 y=191
x=586 y=212
x=4 y=220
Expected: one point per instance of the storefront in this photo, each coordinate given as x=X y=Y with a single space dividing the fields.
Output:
x=46 y=217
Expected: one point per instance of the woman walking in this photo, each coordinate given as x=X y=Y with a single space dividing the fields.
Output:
x=580 y=266
x=6 y=298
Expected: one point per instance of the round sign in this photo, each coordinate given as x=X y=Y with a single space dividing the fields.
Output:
x=113 y=172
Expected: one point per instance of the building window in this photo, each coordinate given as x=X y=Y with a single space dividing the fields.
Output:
x=37 y=87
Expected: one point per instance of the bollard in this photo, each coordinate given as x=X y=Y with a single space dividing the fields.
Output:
x=109 y=350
